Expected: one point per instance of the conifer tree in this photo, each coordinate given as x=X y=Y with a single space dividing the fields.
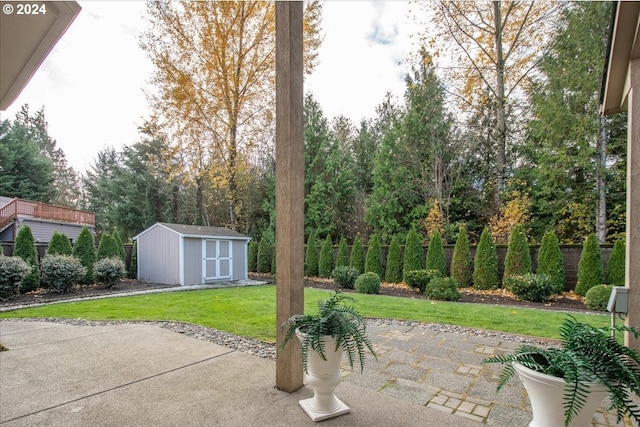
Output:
x=342 y=260
x=357 y=255
x=252 y=262
x=25 y=248
x=461 y=267
x=326 y=263
x=435 y=254
x=117 y=241
x=311 y=257
x=107 y=247
x=264 y=257
x=616 y=266
x=413 y=253
x=517 y=262
x=551 y=262
x=393 y=273
x=590 y=270
x=85 y=250
x=59 y=245
x=485 y=264
x=373 y=261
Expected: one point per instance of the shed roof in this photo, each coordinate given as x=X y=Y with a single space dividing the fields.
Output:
x=199 y=231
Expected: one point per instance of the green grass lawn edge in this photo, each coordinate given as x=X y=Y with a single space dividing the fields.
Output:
x=251 y=311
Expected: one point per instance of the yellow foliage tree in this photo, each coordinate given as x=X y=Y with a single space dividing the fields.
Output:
x=435 y=220
x=515 y=211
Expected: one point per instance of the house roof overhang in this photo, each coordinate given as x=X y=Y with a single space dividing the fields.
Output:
x=624 y=46
x=26 y=40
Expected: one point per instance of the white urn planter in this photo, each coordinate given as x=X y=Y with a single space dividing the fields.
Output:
x=323 y=377
x=546 y=394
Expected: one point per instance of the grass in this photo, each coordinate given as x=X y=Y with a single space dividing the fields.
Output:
x=251 y=311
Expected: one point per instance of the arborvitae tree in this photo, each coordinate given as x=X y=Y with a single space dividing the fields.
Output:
x=264 y=257
x=59 y=245
x=253 y=256
x=616 y=266
x=107 y=247
x=373 y=261
x=117 y=241
x=551 y=262
x=590 y=271
x=393 y=273
x=342 y=260
x=326 y=264
x=85 y=250
x=357 y=255
x=517 y=262
x=435 y=254
x=485 y=264
x=132 y=273
x=413 y=253
x=311 y=257
x=25 y=248
x=461 y=267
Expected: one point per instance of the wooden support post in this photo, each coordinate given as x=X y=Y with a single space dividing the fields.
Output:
x=289 y=187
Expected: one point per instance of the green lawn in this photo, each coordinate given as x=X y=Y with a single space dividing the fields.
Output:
x=250 y=311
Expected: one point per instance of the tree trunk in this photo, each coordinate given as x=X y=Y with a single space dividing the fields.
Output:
x=501 y=127
x=601 y=181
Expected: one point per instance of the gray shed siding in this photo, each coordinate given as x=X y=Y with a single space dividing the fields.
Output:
x=240 y=259
x=192 y=261
x=159 y=256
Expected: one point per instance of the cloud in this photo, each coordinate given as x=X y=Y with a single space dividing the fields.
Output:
x=380 y=35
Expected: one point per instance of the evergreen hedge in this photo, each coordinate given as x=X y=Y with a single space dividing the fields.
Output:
x=13 y=270
x=368 y=283
x=85 y=250
x=117 y=241
x=435 y=254
x=616 y=267
x=485 y=263
x=590 y=270
x=252 y=262
x=326 y=263
x=109 y=271
x=517 y=261
x=357 y=255
x=107 y=247
x=413 y=254
x=461 y=267
x=59 y=245
x=342 y=260
x=393 y=273
x=61 y=272
x=264 y=257
x=597 y=298
x=551 y=262
x=311 y=257
x=25 y=248
x=373 y=261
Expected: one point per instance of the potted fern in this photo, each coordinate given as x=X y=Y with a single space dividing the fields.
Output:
x=324 y=337
x=567 y=383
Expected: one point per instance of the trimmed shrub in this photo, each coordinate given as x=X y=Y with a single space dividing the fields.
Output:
x=357 y=255
x=107 y=247
x=343 y=253
x=530 y=287
x=264 y=257
x=435 y=254
x=85 y=250
x=517 y=262
x=442 y=289
x=61 y=272
x=550 y=261
x=420 y=278
x=59 y=245
x=597 y=297
x=368 y=283
x=393 y=273
x=590 y=271
x=311 y=257
x=25 y=248
x=117 y=241
x=413 y=253
x=485 y=263
x=109 y=271
x=345 y=276
x=13 y=270
x=373 y=262
x=326 y=264
x=461 y=267
x=616 y=267
x=252 y=261
x=132 y=273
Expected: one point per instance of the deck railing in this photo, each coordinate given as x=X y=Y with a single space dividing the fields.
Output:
x=17 y=207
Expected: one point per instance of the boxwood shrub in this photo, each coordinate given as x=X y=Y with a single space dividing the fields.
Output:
x=368 y=283
x=60 y=272
x=530 y=287
x=420 y=278
x=597 y=297
x=13 y=270
x=345 y=276
x=109 y=271
x=442 y=289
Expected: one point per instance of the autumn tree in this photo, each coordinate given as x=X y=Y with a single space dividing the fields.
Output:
x=214 y=83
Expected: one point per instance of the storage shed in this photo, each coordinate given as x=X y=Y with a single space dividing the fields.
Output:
x=177 y=254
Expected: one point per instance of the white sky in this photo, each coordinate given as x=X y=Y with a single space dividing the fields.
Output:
x=91 y=83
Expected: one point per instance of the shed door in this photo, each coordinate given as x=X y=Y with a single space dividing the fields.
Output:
x=217 y=261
